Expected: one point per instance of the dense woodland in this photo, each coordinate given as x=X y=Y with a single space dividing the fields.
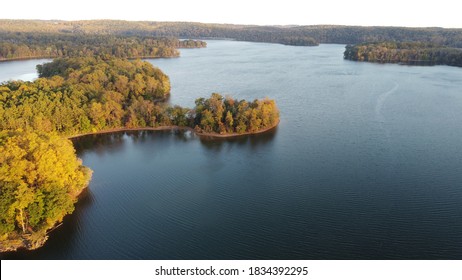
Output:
x=40 y=179
x=40 y=175
x=17 y=45
x=290 y=35
x=78 y=95
x=405 y=53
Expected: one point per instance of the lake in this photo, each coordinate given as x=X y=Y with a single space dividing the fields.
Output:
x=366 y=164
x=20 y=69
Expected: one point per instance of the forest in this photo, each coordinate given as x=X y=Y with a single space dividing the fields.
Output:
x=40 y=180
x=413 y=53
x=17 y=45
x=289 y=35
x=40 y=175
x=22 y=39
x=77 y=95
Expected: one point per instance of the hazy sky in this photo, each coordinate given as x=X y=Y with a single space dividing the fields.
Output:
x=443 y=13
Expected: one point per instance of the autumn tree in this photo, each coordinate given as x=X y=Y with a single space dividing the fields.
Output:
x=40 y=177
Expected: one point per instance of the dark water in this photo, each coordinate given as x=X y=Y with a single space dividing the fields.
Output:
x=365 y=164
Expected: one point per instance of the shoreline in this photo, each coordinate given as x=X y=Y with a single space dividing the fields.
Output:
x=174 y=127
x=129 y=58
x=27 y=58
x=53 y=57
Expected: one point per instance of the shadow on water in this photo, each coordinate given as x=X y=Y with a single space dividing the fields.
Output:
x=99 y=143
x=112 y=142
x=254 y=141
x=62 y=239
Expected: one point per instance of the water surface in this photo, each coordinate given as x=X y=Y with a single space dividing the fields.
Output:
x=20 y=69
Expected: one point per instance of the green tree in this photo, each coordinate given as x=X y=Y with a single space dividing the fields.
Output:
x=207 y=121
x=229 y=122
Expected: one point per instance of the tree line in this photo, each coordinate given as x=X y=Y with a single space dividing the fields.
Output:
x=415 y=53
x=290 y=35
x=19 y=45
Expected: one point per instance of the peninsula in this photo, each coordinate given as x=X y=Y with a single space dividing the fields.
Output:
x=41 y=176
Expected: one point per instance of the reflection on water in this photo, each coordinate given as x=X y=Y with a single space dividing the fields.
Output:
x=98 y=142
x=110 y=142
x=254 y=141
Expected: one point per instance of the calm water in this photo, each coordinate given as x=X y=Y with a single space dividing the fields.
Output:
x=365 y=164
x=20 y=70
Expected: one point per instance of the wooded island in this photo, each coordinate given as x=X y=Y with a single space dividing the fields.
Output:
x=411 y=53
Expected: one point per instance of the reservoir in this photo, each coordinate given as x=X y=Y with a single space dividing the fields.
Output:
x=366 y=163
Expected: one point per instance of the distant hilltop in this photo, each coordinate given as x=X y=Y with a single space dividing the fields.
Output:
x=289 y=35
x=415 y=53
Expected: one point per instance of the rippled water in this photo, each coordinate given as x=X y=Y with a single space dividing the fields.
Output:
x=365 y=164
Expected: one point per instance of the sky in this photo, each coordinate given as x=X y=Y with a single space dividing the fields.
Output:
x=414 y=13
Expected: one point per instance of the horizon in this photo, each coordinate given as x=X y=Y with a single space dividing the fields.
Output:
x=223 y=23
x=394 y=13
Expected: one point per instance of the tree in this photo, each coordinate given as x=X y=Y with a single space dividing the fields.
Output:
x=24 y=196
x=207 y=121
x=98 y=115
x=229 y=122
